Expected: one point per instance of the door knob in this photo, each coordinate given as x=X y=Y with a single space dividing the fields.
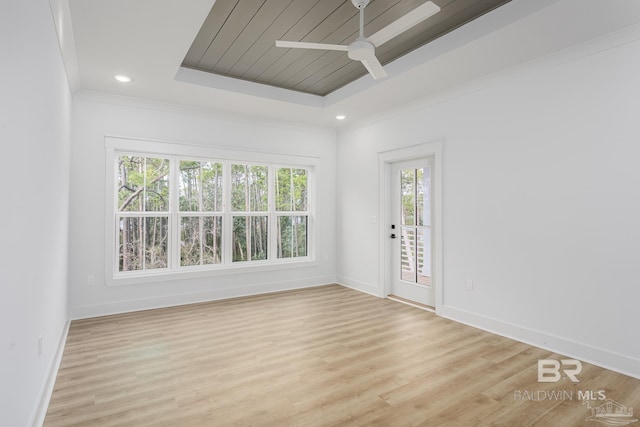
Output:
x=393 y=236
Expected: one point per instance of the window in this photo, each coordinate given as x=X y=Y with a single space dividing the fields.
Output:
x=200 y=213
x=292 y=215
x=142 y=215
x=180 y=214
x=250 y=207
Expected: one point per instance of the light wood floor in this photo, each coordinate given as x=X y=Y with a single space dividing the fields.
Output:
x=315 y=357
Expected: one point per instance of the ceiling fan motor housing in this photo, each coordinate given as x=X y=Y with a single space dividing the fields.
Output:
x=361 y=49
x=360 y=4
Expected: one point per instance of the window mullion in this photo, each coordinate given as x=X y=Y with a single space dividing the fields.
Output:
x=201 y=229
x=227 y=220
x=200 y=209
x=272 y=227
x=174 y=216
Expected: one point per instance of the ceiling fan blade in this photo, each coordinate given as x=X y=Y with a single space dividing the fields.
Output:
x=374 y=67
x=402 y=24
x=305 y=45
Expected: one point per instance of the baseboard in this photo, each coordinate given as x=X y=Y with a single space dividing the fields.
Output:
x=596 y=356
x=357 y=285
x=40 y=409
x=127 y=306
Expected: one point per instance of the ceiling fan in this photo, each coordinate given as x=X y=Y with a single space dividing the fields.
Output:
x=363 y=48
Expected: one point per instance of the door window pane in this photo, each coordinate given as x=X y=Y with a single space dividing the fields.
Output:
x=423 y=204
x=408 y=191
x=424 y=256
x=408 y=254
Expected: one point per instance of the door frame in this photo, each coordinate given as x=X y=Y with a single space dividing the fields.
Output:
x=385 y=159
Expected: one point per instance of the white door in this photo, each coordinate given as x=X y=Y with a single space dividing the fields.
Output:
x=411 y=231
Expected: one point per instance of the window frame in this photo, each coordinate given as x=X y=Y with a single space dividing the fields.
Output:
x=175 y=152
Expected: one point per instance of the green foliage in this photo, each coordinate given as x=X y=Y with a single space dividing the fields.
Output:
x=292 y=236
x=249 y=188
x=144 y=186
x=291 y=190
x=200 y=186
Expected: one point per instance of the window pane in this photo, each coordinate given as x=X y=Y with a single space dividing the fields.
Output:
x=130 y=183
x=190 y=248
x=156 y=185
x=156 y=242
x=292 y=236
x=200 y=180
x=424 y=256
x=240 y=239
x=423 y=204
x=259 y=237
x=249 y=188
x=408 y=254
x=211 y=187
x=189 y=186
x=284 y=196
x=250 y=238
x=300 y=189
x=130 y=244
x=407 y=186
x=211 y=247
x=291 y=190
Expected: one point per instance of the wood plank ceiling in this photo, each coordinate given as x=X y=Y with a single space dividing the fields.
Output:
x=238 y=38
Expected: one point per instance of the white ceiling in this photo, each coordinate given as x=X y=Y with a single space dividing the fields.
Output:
x=148 y=39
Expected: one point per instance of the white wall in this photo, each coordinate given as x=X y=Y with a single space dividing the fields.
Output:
x=35 y=109
x=541 y=199
x=96 y=116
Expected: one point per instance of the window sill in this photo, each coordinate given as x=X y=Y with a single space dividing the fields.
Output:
x=135 y=278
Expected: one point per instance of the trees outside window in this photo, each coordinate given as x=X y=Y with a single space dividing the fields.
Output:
x=200 y=212
x=143 y=213
x=292 y=212
x=174 y=213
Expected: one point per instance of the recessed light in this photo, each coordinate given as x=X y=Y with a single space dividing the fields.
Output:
x=122 y=78
x=341 y=117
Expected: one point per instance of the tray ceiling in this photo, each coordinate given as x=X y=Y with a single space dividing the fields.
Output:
x=238 y=37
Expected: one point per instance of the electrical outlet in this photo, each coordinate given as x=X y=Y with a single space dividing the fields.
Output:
x=91 y=280
x=469 y=284
x=39 y=345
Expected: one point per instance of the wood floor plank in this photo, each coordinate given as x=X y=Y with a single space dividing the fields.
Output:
x=326 y=356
